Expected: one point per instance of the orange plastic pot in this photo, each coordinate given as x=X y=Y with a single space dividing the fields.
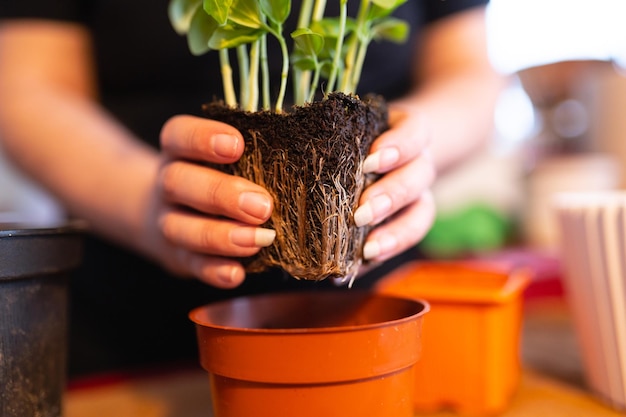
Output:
x=470 y=356
x=347 y=353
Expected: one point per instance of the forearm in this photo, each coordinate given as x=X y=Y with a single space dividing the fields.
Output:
x=459 y=111
x=53 y=128
x=82 y=156
x=455 y=87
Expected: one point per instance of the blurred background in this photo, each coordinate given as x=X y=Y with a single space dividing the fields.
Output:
x=558 y=126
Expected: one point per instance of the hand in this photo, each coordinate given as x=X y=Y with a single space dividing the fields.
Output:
x=400 y=204
x=209 y=217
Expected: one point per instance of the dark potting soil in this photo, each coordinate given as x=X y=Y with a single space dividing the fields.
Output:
x=310 y=159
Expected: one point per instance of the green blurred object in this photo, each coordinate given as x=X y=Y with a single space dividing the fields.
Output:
x=474 y=228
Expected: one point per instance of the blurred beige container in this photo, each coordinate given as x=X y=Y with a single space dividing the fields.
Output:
x=608 y=124
x=592 y=230
x=584 y=172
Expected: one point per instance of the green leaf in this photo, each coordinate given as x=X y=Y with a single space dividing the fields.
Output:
x=303 y=62
x=388 y=4
x=391 y=29
x=180 y=13
x=383 y=8
x=276 y=10
x=247 y=13
x=307 y=41
x=231 y=36
x=328 y=50
x=218 y=9
x=327 y=27
x=201 y=29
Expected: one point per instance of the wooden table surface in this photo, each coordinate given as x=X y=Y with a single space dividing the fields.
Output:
x=552 y=383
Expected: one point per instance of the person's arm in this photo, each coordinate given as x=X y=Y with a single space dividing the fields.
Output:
x=456 y=86
x=53 y=128
x=445 y=118
x=103 y=174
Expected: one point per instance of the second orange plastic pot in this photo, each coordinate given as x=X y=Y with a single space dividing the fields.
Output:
x=315 y=354
x=470 y=359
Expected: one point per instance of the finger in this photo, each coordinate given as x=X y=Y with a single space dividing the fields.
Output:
x=408 y=137
x=202 y=139
x=394 y=191
x=214 y=192
x=405 y=230
x=213 y=236
x=216 y=271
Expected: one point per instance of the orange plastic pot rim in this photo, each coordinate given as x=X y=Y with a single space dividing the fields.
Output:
x=200 y=315
x=388 y=341
x=473 y=282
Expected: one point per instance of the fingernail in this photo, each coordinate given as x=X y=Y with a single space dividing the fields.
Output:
x=372 y=210
x=381 y=160
x=252 y=236
x=255 y=204
x=379 y=247
x=363 y=215
x=228 y=274
x=225 y=145
x=264 y=237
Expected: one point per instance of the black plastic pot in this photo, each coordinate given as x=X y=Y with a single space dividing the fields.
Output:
x=34 y=285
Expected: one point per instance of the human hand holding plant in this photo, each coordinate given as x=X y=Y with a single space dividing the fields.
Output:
x=206 y=231
x=310 y=159
x=200 y=237
x=400 y=204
